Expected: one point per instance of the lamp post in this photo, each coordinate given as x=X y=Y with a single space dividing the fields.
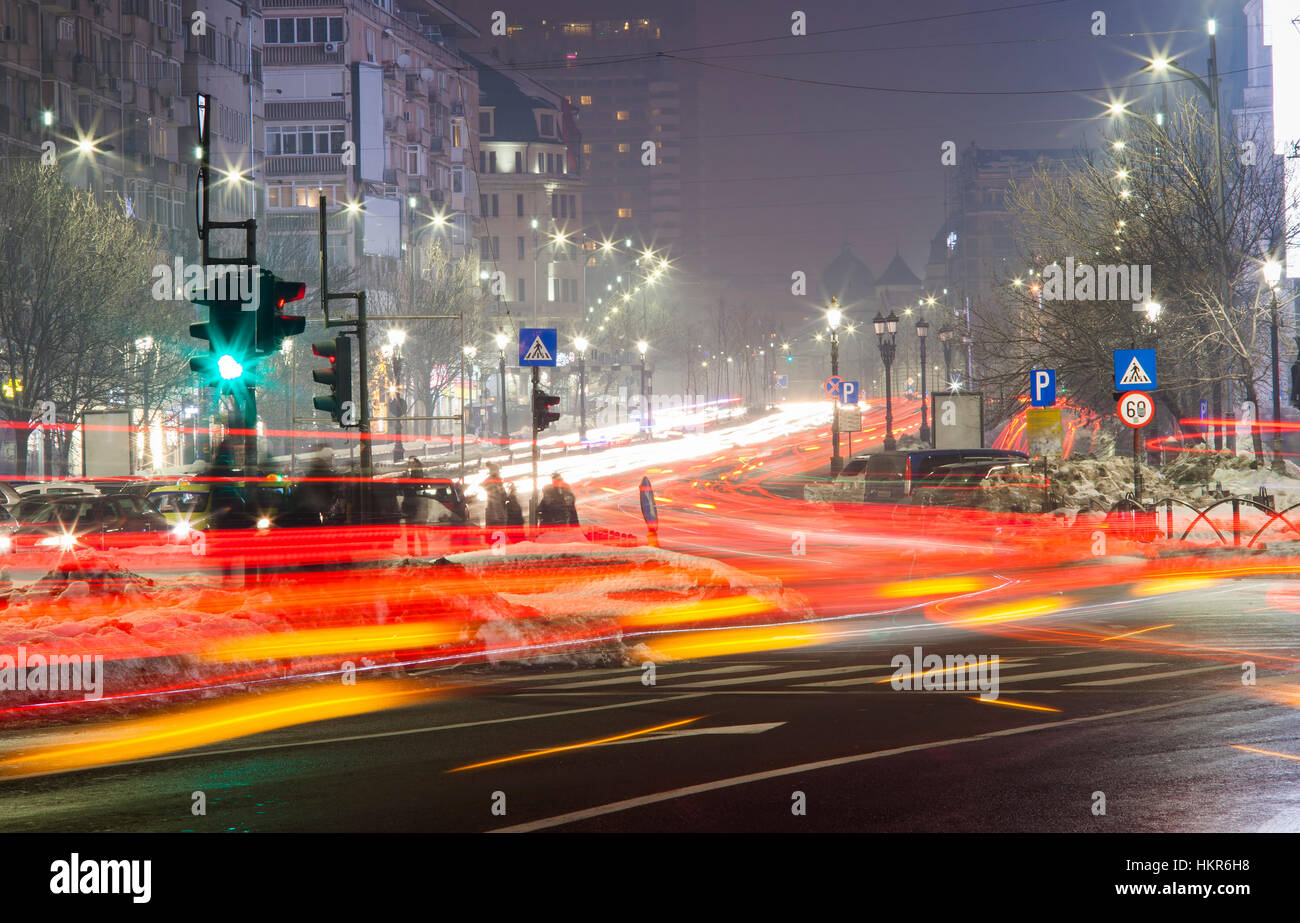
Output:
x=646 y=422
x=580 y=344
x=886 y=331
x=1273 y=275
x=833 y=317
x=945 y=338
x=922 y=330
x=501 y=340
x=468 y=380
x=397 y=403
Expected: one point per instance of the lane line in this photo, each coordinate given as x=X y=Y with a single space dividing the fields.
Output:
x=872 y=680
x=1150 y=676
x=382 y=734
x=718 y=784
x=1077 y=671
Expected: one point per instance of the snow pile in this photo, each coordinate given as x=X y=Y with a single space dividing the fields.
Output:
x=589 y=609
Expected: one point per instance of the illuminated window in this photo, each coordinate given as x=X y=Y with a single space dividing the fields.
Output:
x=586 y=149
x=584 y=100
x=625 y=213
x=622 y=115
x=624 y=148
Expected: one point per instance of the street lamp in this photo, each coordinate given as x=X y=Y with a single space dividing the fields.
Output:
x=922 y=330
x=886 y=329
x=501 y=340
x=833 y=318
x=1273 y=275
x=646 y=420
x=580 y=344
x=397 y=403
x=468 y=382
x=945 y=338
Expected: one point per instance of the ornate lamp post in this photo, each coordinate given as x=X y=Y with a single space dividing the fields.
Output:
x=646 y=421
x=501 y=340
x=922 y=330
x=945 y=338
x=833 y=318
x=580 y=344
x=886 y=332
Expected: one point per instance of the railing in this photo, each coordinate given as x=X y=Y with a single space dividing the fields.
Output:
x=292 y=164
x=281 y=55
x=1235 y=533
x=331 y=109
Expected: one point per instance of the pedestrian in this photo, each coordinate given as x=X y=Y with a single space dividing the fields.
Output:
x=494 y=511
x=558 y=506
x=514 y=512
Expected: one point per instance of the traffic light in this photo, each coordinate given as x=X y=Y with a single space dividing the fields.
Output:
x=543 y=416
x=273 y=326
x=229 y=332
x=339 y=378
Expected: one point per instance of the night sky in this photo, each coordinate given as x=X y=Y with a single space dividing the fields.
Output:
x=789 y=170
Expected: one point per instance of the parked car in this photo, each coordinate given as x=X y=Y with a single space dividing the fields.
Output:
x=987 y=484
x=99 y=523
x=188 y=506
x=888 y=477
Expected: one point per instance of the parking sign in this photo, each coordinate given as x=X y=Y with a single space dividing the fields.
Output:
x=1042 y=387
x=849 y=391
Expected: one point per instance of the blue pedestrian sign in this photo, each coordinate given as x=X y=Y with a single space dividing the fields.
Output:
x=783 y=381
x=538 y=346
x=849 y=391
x=1135 y=370
x=1205 y=409
x=1042 y=387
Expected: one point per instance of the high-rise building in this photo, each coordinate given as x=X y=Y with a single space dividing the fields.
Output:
x=632 y=108
x=530 y=196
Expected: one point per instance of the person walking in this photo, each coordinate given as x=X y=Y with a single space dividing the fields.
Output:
x=558 y=506
x=494 y=511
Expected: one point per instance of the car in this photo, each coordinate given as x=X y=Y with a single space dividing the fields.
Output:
x=444 y=500
x=188 y=506
x=98 y=523
x=888 y=477
x=987 y=484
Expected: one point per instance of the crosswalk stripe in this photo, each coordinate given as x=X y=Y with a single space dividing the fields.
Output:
x=794 y=674
x=1077 y=671
x=867 y=680
x=1149 y=676
x=633 y=675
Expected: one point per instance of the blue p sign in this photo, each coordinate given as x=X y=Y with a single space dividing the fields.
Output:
x=849 y=392
x=1042 y=387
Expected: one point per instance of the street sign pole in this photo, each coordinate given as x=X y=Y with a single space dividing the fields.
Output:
x=532 y=512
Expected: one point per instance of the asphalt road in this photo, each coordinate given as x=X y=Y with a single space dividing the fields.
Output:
x=726 y=744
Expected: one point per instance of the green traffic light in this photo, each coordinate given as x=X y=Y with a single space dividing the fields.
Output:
x=229 y=368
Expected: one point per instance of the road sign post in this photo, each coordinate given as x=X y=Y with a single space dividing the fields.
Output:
x=538 y=346
x=650 y=512
x=1136 y=409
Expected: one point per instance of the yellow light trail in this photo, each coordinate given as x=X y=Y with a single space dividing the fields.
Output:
x=353 y=639
x=975 y=698
x=1025 y=609
x=738 y=641
x=922 y=673
x=194 y=727
x=703 y=610
x=934 y=586
x=1285 y=756
x=1175 y=584
x=1129 y=634
x=550 y=751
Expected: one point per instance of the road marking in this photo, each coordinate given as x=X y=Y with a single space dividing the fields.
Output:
x=634 y=674
x=794 y=674
x=567 y=748
x=1149 y=676
x=1077 y=671
x=868 y=680
x=700 y=732
x=718 y=784
x=381 y=734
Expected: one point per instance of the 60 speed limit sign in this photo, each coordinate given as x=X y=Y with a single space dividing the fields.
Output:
x=1136 y=409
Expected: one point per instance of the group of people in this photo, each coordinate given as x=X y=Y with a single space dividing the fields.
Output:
x=557 y=507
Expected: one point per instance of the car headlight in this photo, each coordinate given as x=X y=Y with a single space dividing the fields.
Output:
x=181 y=529
x=6 y=544
x=66 y=542
x=264 y=523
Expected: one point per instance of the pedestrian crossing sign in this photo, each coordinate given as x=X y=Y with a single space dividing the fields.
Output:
x=537 y=346
x=1135 y=370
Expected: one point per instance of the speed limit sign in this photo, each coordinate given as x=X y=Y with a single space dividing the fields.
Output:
x=1136 y=409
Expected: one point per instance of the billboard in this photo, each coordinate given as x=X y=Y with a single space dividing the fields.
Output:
x=958 y=420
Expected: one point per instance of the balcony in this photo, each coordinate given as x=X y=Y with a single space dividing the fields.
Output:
x=302 y=164
x=413 y=132
x=312 y=111
x=300 y=4
x=292 y=55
